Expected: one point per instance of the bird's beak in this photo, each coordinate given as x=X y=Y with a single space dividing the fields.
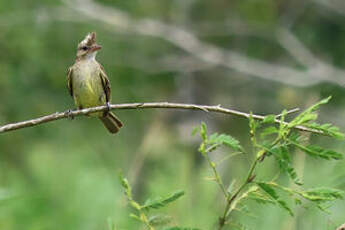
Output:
x=95 y=47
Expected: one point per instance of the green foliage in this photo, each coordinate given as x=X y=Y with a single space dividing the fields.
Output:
x=260 y=197
x=216 y=140
x=321 y=195
x=269 y=119
x=161 y=202
x=282 y=155
x=160 y=220
x=308 y=115
x=267 y=141
x=318 y=196
x=143 y=211
x=272 y=193
x=316 y=151
x=327 y=129
x=128 y=193
x=269 y=131
x=212 y=142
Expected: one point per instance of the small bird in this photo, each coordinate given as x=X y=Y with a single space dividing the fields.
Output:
x=88 y=83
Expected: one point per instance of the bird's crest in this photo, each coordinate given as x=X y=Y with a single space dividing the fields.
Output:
x=89 y=40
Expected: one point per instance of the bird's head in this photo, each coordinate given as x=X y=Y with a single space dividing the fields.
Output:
x=88 y=47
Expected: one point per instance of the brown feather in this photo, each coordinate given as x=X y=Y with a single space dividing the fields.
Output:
x=91 y=39
x=105 y=83
x=70 y=81
x=111 y=122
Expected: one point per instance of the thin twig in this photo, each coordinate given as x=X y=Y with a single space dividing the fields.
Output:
x=149 y=105
x=222 y=219
x=217 y=177
x=288 y=112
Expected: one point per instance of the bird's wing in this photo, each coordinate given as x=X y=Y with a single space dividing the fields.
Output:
x=70 y=81
x=105 y=83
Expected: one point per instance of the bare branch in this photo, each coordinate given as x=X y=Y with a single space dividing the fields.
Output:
x=149 y=105
x=120 y=21
x=337 y=6
x=295 y=47
x=203 y=55
x=302 y=54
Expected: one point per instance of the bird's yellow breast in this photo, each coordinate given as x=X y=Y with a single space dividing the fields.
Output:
x=88 y=90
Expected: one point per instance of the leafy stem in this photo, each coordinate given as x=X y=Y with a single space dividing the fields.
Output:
x=217 y=177
x=143 y=210
x=249 y=179
x=277 y=142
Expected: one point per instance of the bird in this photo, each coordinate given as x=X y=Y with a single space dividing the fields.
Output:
x=88 y=83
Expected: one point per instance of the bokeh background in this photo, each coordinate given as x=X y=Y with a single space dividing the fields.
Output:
x=253 y=55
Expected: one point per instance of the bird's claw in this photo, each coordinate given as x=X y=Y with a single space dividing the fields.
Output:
x=69 y=114
x=108 y=107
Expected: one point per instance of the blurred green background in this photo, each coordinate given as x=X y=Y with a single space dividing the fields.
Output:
x=253 y=55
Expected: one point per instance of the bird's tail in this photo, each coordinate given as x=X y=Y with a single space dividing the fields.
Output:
x=111 y=122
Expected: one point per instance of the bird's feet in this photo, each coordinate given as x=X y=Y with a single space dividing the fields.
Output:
x=69 y=114
x=108 y=107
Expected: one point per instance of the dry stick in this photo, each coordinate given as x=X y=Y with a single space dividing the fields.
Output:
x=150 y=105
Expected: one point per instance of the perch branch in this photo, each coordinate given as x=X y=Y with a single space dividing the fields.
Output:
x=150 y=105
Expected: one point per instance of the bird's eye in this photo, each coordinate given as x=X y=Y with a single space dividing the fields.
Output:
x=84 y=48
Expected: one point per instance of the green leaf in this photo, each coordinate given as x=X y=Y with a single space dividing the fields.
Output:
x=282 y=125
x=269 y=119
x=268 y=131
x=126 y=186
x=322 y=194
x=124 y=183
x=135 y=204
x=231 y=187
x=297 y=137
x=308 y=115
x=281 y=154
x=128 y=192
x=132 y=215
x=327 y=129
x=159 y=220
x=324 y=208
x=203 y=131
x=253 y=124
x=317 y=151
x=272 y=193
x=223 y=139
x=161 y=202
x=303 y=119
x=260 y=198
